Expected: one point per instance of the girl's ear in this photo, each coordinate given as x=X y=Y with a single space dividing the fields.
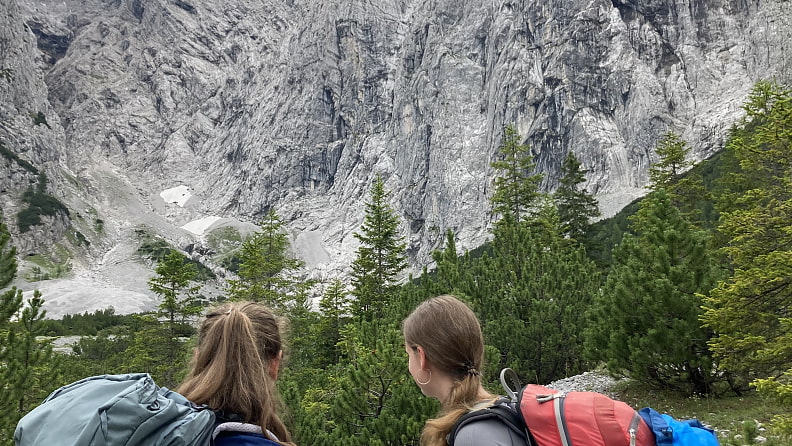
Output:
x=422 y=358
x=274 y=365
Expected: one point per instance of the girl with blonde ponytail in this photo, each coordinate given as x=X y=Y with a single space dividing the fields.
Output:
x=445 y=349
x=234 y=370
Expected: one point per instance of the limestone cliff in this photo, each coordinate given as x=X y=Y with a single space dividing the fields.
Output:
x=297 y=104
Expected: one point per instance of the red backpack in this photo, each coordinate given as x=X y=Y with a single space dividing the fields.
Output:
x=547 y=417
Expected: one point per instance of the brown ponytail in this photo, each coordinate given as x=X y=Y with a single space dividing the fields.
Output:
x=230 y=370
x=451 y=336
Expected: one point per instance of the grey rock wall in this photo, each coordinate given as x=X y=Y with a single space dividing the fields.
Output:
x=297 y=104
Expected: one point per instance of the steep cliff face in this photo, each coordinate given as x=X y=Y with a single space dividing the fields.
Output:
x=297 y=105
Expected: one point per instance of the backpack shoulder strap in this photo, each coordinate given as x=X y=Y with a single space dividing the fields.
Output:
x=502 y=410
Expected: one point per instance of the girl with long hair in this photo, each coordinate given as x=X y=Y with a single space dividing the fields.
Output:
x=445 y=349
x=234 y=370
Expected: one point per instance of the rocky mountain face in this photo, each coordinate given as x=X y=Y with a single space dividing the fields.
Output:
x=297 y=104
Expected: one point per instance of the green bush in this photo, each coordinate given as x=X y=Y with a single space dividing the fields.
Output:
x=39 y=118
x=13 y=157
x=157 y=250
x=39 y=203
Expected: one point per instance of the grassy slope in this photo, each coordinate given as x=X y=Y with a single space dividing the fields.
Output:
x=729 y=415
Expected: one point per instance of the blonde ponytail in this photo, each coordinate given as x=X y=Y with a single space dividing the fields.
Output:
x=451 y=336
x=230 y=370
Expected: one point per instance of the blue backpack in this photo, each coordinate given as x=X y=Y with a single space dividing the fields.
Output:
x=671 y=432
x=125 y=410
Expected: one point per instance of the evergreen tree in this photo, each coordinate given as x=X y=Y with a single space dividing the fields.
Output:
x=27 y=373
x=687 y=194
x=10 y=304
x=672 y=152
x=334 y=310
x=530 y=292
x=266 y=268
x=373 y=400
x=380 y=256
x=749 y=311
x=576 y=207
x=645 y=321
x=7 y=257
x=516 y=188
x=31 y=369
x=174 y=284
x=448 y=274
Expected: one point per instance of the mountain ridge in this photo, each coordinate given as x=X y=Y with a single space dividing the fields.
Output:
x=297 y=105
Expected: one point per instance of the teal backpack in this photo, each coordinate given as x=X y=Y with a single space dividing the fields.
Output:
x=106 y=410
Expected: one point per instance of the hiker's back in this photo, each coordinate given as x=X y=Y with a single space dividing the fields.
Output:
x=496 y=424
x=115 y=410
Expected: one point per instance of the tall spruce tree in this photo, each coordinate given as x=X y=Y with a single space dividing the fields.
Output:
x=372 y=400
x=645 y=320
x=10 y=304
x=266 y=269
x=749 y=311
x=530 y=290
x=31 y=368
x=334 y=311
x=687 y=192
x=380 y=257
x=174 y=284
x=8 y=263
x=516 y=186
x=27 y=371
x=576 y=207
x=672 y=152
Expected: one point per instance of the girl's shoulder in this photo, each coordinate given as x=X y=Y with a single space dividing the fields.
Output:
x=230 y=438
x=241 y=434
x=489 y=432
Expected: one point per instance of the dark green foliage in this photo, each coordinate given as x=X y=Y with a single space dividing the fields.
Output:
x=31 y=371
x=334 y=313
x=81 y=240
x=98 y=355
x=39 y=118
x=134 y=348
x=266 y=268
x=749 y=311
x=516 y=186
x=157 y=250
x=174 y=284
x=645 y=321
x=39 y=203
x=86 y=323
x=231 y=263
x=672 y=151
x=530 y=294
x=370 y=398
x=27 y=371
x=14 y=157
x=380 y=256
x=8 y=263
x=687 y=192
x=576 y=207
x=605 y=234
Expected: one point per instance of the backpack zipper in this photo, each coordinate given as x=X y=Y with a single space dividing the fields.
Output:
x=634 y=428
x=558 y=408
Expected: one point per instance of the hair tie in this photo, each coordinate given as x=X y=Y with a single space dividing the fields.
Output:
x=469 y=368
